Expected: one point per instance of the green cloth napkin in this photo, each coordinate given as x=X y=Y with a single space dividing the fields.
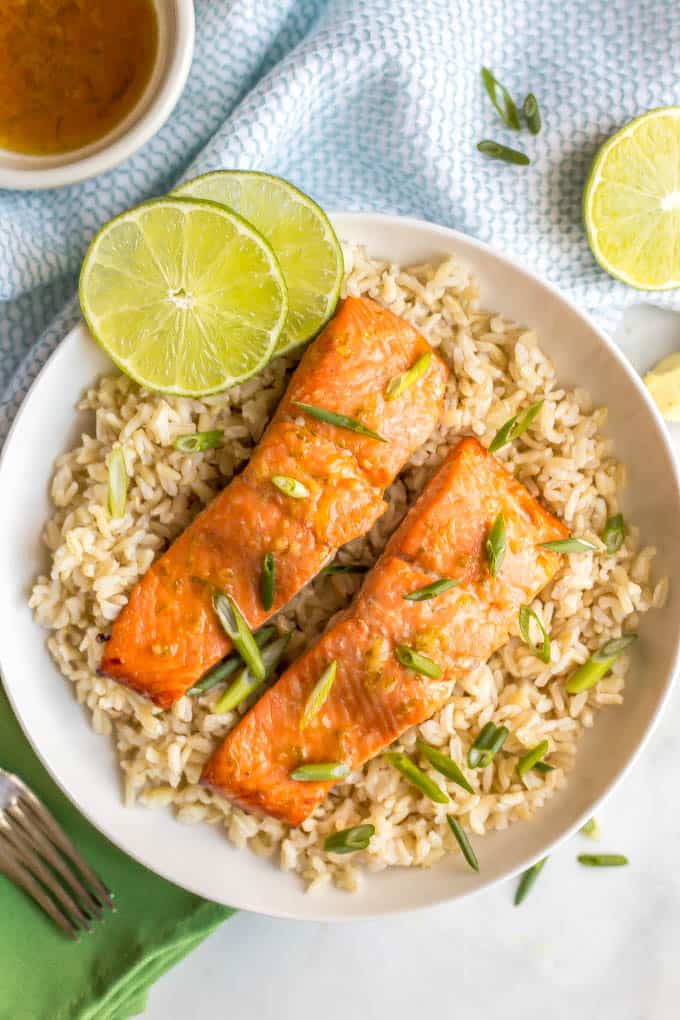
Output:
x=106 y=976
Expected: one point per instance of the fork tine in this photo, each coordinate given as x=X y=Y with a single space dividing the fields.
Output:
x=25 y=855
x=61 y=840
x=18 y=874
x=54 y=859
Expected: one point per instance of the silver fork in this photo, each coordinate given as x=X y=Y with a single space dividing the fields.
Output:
x=39 y=857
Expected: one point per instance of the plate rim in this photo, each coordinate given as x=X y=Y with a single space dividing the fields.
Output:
x=328 y=915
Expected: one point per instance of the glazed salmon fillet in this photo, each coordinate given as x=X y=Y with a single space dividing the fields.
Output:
x=168 y=635
x=374 y=698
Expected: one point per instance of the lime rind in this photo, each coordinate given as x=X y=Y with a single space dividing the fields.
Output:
x=184 y=295
x=657 y=223
x=300 y=234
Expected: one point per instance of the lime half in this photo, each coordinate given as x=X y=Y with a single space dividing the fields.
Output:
x=185 y=296
x=631 y=203
x=300 y=234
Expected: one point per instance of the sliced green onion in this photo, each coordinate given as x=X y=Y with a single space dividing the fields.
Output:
x=341 y=420
x=442 y=763
x=227 y=667
x=290 y=486
x=200 y=441
x=402 y=382
x=614 y=533
x=236 y=628
x=321 y=772
x=532 y=114
x=431 y=591
x=402 y=763
x=487 y=745
x=508 y=111
x=496 y=545
x=543 y=766
x=529 y=760
x=542 y=651
x=514 y=427
x=598 y=665
x=319 y=694
x=412 y=659
x=268 y=582
x=345 y=568
x=463 y=842
x=118 y=483
x=527 y=880
x=591 y=829
x=246 y=682
x=570 y=545
x=497 y=151
x=602 y=860
x=348 y=841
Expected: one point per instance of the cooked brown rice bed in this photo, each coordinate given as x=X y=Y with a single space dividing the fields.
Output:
x=496 y=368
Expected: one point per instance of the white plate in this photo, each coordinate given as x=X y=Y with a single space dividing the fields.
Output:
x=199 y=857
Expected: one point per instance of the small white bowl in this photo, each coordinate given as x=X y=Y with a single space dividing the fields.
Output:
x=199 y=857
x=173 y=60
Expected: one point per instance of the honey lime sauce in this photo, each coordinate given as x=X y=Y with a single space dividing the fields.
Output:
x=71 y=70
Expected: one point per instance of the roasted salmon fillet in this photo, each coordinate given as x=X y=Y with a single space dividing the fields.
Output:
x=168 y=635
x=374 y=698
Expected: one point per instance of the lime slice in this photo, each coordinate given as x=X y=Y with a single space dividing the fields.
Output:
x=631 y=203
x=300 y=234
x=185 y=296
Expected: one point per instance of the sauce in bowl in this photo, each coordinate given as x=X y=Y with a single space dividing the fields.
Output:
x=71 y=70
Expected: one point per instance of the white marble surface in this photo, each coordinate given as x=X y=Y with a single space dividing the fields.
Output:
x=590 y=944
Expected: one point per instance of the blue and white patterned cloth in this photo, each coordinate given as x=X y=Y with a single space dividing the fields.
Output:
x=369 y=105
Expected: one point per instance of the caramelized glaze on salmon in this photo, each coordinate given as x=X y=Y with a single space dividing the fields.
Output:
x=167 y=636
x=374 y=698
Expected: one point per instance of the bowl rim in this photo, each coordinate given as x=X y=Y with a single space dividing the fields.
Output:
x=326 y=913
x=176 y=68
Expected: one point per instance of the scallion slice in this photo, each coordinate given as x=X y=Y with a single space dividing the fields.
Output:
x=614 y=533
x=430 y=591
x=319 y=694
x=400 y=383
x=246 y=682
x=340 y=420
x=569 y=545
x=199 y=441
x=507 y=111
x=543 y=766
x=402 y=763
x=412 y=659
x=527 y=880
x=598 y=665
x=290 y=486
x=532 y=114
x=514 y=427
x=542 y=651
x=227 y=667
x=487 y=745
x=503 y=152
x=236 y=628
x=591 y=829
x=118 y=483
x=268 y=581
x=463 y=842
x=444 y=764
x=602 y=860
x=348 y=841
x=532 y=757
x=320 y=772
x=496 y=545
